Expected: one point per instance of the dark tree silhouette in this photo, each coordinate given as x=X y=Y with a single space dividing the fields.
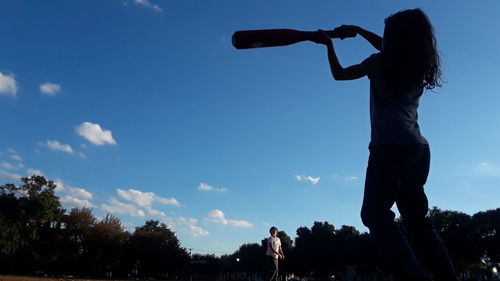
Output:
x=487 y=229
x=37 y=235
x=28 y=212
x=457 y=231
x=157 y=249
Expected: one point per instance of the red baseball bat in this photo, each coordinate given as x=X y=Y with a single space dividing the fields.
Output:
x=246 y=39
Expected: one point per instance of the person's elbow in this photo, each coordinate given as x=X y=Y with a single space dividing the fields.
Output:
x=349 y=73
x=340 y=76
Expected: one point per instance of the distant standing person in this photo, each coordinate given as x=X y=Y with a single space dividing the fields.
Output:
x=274 y=254
x=407 y=64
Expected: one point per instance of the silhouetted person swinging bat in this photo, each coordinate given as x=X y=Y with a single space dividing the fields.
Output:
x=398 y=166
x=399 y=161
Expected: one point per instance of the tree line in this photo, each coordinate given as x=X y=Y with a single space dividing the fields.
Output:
x=37 y=236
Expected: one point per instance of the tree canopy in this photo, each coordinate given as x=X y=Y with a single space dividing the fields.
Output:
x=37 y=234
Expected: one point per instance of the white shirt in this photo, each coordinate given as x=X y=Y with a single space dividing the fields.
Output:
x=275 y=243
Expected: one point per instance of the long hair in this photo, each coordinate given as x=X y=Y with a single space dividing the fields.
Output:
x=409 y=51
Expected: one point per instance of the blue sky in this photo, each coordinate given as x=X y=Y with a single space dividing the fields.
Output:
x=143 y=109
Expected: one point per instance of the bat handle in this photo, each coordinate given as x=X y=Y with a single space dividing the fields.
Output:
x=311 y=35
x=333 y=33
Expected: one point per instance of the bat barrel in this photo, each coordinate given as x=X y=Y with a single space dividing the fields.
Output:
x=265 y=38
x=247 y=39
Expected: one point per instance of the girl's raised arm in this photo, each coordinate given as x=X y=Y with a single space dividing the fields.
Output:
x=350 y=30
x=371 y=37
x=338 y=72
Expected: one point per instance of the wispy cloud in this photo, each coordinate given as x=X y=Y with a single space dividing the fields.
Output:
x=73 y=202
x=8 y=176
x=206 y=187
x=487 y=169
x=198 y=231
x=16 y=157
x=31 y=172
x=148 y=4
x=95 y=134
x=9 y=166
x=116 y=207
x=307 y=179
x=168 y=201
x=145 y=199
x=55 y=145
x=351 y=179
x=218 y=216
x=186 y=225
x=50 y=89
x=154 y=212
x=72 y=191
x=8 y=84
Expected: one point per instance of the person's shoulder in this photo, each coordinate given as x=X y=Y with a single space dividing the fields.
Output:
x=373 y=58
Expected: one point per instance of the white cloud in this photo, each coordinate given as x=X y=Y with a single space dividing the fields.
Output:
x=186 y=225
x=307 y=178
x=218 y=214
x=31 y=172
x=122 y=208
x=198 y=231
x=148 y=4
x=95 y=134
x=72 y=191
x=80 y=192
x=50 y=89
x=156 y=212
x=16 y=157
x=11 y=150
x=351 y=179
x=8 y=166
x=144 y=199
x=55 y=145
x=168 y=201
x=206 y=187
x=219 y=217
x=73 y=202
x=7 y=176
x=8 y=84
x=82 y=154
x=487 y=169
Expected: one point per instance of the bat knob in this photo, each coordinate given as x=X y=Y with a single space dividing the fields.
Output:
x=233 y=41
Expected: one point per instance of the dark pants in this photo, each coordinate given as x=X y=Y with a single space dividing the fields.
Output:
x=271 y=269
x=397 y=174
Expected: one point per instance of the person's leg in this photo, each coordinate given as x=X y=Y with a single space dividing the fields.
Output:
x=276 y=269
x=381 y=188
x=413 y=207
x=272 y=268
